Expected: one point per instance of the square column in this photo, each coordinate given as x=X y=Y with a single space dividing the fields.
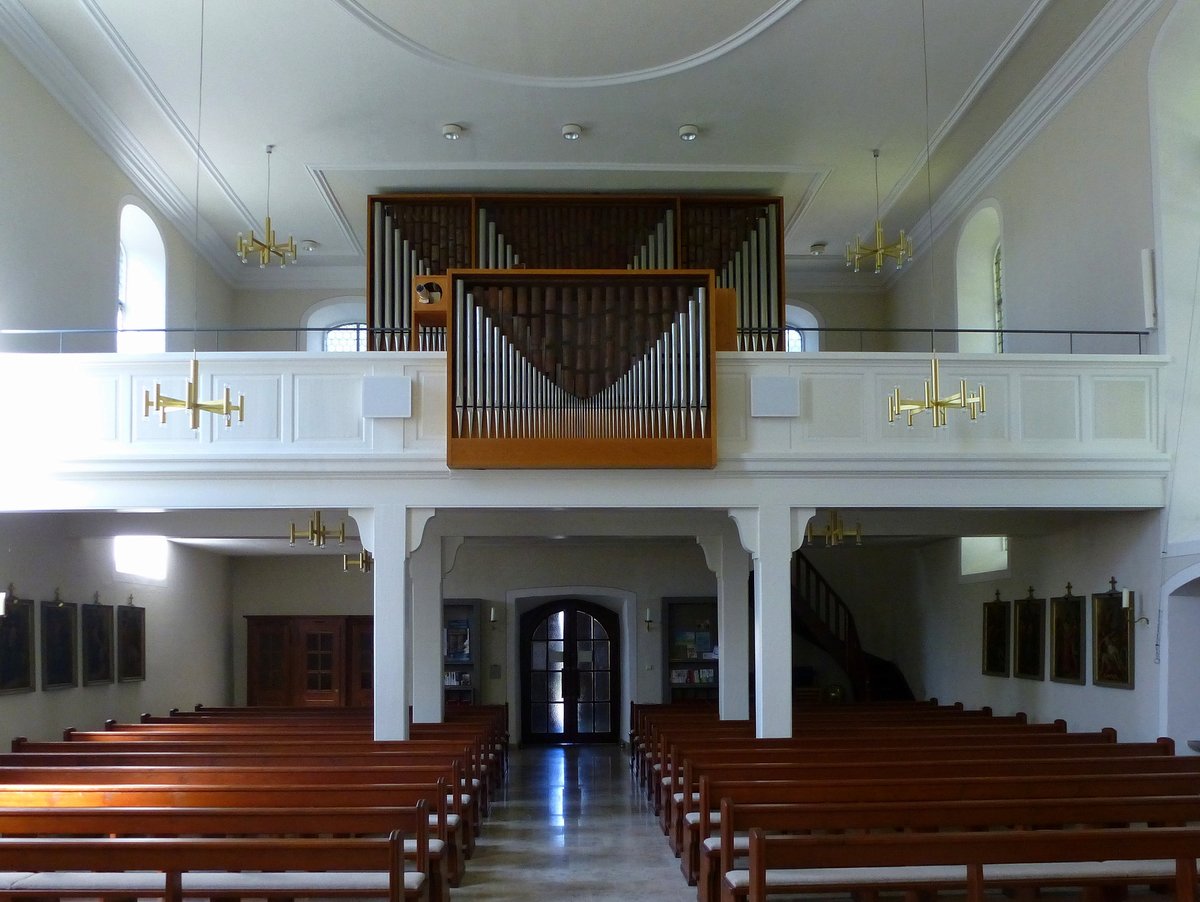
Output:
x=428 y=698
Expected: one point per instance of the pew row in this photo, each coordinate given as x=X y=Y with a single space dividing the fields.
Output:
x=176 y=868
x=969 y=862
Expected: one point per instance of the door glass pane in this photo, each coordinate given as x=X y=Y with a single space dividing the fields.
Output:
x=538 y=718
x=584 y=713
x=556 y=622
x=537 y=655
x=583 y=654
x=585 y=686
x=554 y=688
x=556 y=655
x=537 y=687
x=600 y=655
x=557 y=713
x=603 y=723
x=540 y=632
x=583 y=625
x=602 y=687
x=599 y=632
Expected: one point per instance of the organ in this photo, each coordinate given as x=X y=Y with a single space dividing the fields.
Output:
x=580 y=330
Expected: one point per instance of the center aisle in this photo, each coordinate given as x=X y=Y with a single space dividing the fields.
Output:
x=568 y=825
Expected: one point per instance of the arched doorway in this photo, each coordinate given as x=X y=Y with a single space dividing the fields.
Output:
x=570 y=673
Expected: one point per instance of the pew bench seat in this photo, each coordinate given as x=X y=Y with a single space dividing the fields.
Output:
x=256 y=884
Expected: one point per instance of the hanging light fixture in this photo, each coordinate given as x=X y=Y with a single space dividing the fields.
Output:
x=931 y=400
x=834 y=532
x=317 y=532
x=267 y=247
x=900 y=251
x=361 y=562
x=163 y=404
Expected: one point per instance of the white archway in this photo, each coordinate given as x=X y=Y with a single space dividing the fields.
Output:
x=976 y=271
x=328 y=314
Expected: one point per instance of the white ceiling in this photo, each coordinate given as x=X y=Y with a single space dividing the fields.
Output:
x=790 y=97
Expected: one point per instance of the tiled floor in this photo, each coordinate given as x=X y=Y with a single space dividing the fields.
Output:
x=569 y=826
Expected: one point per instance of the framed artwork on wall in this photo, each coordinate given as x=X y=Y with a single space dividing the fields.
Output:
x=97 y=627
x=131 y=644
x=1067 y=645
x=1112 y=639
x=16 y=646
x=995 y=637
x=1029 y=638
x=60 y=624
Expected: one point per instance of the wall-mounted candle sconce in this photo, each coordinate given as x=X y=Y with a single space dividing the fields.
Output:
x=648 y=620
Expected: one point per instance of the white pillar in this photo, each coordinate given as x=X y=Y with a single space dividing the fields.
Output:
x=729 y=561
x=772 y=533
x=426 y=570
x=384 y=532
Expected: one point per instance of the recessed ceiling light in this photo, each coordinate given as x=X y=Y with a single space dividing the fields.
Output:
x=817 y=248
x=309 y=245
x=452 y=131
x=688 y=132
x=571 y=131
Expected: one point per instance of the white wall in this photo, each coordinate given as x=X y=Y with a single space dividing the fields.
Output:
x=1076 y=208
x=948 y=620
x=62 y=199
x=297 y=584
x=187 y=627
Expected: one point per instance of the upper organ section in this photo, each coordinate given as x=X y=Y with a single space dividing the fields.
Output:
x=412 y=236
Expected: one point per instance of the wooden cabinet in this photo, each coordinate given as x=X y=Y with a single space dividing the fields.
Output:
x=460 y=650
x=692 y=652
x=308 y=661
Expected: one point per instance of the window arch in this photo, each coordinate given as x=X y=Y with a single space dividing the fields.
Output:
x=979 y=278
x=802 y=326
x=141 y=284
x=337 y=324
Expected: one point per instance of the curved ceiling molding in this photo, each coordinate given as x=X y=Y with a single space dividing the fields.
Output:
x=734 y=40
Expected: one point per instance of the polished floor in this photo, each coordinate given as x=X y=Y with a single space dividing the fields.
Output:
x=568 y=825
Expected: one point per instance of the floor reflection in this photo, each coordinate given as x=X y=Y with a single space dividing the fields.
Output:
x=569 y=825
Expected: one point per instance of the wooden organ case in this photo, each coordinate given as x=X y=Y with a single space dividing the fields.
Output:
x=580 y=330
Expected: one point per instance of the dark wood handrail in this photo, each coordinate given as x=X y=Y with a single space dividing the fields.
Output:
x=821 y=610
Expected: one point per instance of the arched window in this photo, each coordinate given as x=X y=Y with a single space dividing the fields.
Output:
x=802 y=326
x=978 y=277
x=141 y=285
x=337 y=324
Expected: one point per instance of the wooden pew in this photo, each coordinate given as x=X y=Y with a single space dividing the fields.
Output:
x=175 y=868
x=969 y=861
x=691 y=822
x=724 y=853
x=231 y=795
x=411 y=822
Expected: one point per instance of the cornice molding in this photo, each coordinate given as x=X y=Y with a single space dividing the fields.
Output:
x=1117 y=23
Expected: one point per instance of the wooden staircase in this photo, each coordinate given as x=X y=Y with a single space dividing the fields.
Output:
x=820 y=614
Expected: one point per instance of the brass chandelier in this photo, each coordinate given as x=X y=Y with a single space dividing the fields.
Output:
x=316 y=533
x=974 y=404
x=267 y=247
x=900 y=251
x=163 y=404
x=835 y=532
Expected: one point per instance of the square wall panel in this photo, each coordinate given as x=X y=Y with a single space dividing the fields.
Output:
x=834 y=407
x=733 y=395
x=1121 y=408
x=263 y=418
x=429 y=406
x=1050 y=408
x=327 y=409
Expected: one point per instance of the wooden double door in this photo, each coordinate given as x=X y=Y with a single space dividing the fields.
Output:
x=309 y=661
x=570 y=673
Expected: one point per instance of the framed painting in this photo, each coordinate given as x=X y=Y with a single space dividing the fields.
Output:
x=995 y=638
x=131 y=644
x=1029 y=638
x=16 y=646
x=96 y=622
x=1112 y=640
x=1067 y=646
x=60 y=624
